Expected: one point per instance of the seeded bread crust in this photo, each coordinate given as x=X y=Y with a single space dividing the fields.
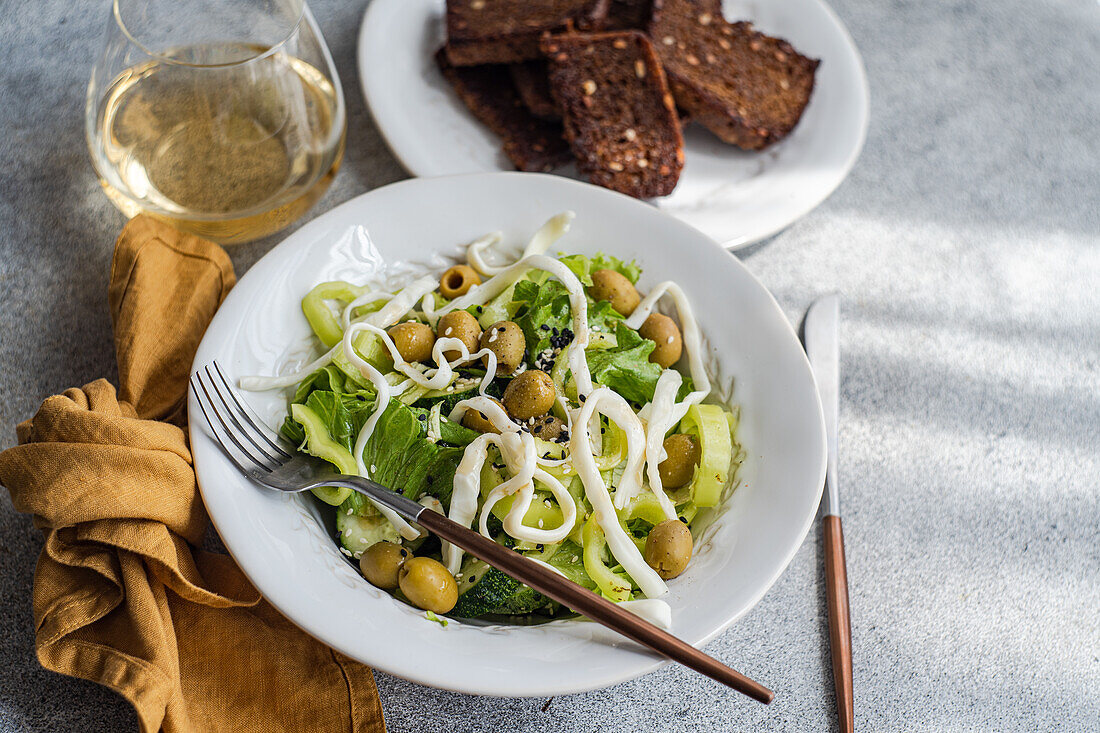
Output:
x=747 y=88
x=508 y=31
x=618 y=113
x=530 y=143
x=532 y=81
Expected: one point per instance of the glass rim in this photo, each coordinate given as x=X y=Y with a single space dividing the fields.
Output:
x=269 y=51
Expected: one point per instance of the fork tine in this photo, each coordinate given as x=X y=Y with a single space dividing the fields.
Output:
x=248 y=414
x=197 y=378
x=248 y=434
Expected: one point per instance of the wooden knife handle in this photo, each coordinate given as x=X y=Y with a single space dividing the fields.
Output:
x=840 y=624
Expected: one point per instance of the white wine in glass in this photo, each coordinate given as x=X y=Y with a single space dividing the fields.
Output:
x=229 y=139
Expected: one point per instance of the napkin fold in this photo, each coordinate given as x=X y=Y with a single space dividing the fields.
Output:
x=122 y=594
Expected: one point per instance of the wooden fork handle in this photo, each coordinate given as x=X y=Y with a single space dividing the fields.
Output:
x=840 y=624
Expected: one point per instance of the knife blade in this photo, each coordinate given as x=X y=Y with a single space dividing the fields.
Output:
x=822 y=348
x=821 y=336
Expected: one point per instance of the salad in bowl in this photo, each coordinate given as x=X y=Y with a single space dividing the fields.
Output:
x=545 y=403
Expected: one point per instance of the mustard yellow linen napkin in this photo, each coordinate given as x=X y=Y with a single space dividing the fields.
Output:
x=122 y=595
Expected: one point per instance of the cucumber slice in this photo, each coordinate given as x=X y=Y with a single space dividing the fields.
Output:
x=358 y=532
x=320 y=444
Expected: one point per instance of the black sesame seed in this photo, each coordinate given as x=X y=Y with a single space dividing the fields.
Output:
x=581 y=397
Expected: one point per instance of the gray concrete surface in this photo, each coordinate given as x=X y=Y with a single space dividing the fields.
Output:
x=967 y=246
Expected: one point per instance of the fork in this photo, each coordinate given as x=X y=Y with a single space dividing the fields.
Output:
x=270 y=461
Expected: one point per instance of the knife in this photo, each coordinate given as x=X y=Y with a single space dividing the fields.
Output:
x=820 y=334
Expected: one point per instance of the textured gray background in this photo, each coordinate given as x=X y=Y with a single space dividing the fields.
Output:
x=967 y=246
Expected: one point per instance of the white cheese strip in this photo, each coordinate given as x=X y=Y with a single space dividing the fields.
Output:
x=661 y=412
x=653 y=610
x=513 y=523
x=401 y=303
x=550 y=232
x=622 y=547
x=262 y=384
x=693 y=341
x=475 y=258
x=518 y=452
x=382 y=399
x=465 y=493
x=488 y=407
x=359 y=302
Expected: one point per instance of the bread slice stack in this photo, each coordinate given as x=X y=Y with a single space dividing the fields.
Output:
x=606 y=82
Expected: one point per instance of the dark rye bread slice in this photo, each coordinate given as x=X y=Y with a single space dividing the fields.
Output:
x=508 y=31
x=747 y=88
x=530 y=143
x=618 y=113
x=532 y=81
x=628 y=15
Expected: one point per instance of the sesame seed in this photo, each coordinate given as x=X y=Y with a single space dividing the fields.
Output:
x=725 y=44
x=373 y=468
x=639 y=69
x=540 y=524
x=692 y=59
x=669 y=340
x=668 y=40
x=784 y=84
x=704 y=19
x=448 y=331
x=630 y=134
x=780 y=56
x=619 y=43
x=477 y=4
x=589 y=87
x=615 y=166
x=643 y=163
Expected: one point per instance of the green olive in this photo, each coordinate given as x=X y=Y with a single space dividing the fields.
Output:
x=616 y=288
x=667 y=548
x=548 y=428
x=683 y=456
x=662 y=330
x=381 y=562
x=476 y=420
x=457 y=281
x=428 y=585
x=414 y=341
x=462 y=326
x=505 y=339
x=529 y=395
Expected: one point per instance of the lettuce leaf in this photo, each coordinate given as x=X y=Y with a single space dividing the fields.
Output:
x=344 y=413
x=546 y=318
x=401 y=457
x=583 y=266
x=399 y=452
x=626 y=367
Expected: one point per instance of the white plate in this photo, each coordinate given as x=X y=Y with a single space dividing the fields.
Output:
x=282 y=545
x=733 y=196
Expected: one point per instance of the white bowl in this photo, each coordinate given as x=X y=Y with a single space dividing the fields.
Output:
x=736 y=197
x=282 y=543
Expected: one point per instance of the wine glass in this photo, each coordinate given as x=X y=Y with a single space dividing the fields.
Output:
x=224 y=118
